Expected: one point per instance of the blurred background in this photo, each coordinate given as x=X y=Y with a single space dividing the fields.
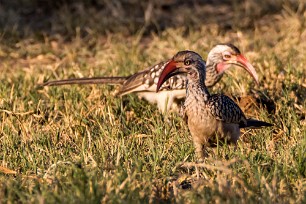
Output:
x=24 y=18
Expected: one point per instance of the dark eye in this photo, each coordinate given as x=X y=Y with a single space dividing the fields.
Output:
x=226 y=56
x=187 y=62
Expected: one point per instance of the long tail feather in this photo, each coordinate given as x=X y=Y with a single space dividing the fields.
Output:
x=94 y=80
x=252 y=123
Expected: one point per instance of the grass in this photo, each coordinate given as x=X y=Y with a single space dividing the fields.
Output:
x=82 y=144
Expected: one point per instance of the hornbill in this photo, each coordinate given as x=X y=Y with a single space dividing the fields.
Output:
x=209 y=117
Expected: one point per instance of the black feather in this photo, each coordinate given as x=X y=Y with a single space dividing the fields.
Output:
x=252 y=123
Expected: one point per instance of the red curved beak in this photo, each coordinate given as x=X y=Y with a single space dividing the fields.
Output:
x=244 y=63
x=168 y=72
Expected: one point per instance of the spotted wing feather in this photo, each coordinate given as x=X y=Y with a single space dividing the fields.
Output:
x=225 y=109
x=147 y=79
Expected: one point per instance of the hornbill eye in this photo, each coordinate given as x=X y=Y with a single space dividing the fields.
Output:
x=187 y=62
x=226 y=56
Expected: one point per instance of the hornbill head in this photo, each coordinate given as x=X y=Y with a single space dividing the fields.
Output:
x=225 y=55
x=184 y=62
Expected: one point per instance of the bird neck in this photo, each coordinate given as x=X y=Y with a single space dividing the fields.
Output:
x=212 y=75
x=196 y=87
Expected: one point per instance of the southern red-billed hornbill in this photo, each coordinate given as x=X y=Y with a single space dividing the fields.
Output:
x=208 y=116
x=143 y=83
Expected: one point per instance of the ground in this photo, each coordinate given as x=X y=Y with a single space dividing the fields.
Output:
x=77 y=144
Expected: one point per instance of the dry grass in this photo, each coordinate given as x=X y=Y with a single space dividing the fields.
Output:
x=75 y=144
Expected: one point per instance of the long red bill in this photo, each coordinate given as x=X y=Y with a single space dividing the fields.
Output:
x=244 y=63
x=166 y=73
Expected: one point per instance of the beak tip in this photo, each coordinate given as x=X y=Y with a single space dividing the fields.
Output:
x=256 y=79
x=159 y=83
x=244 y=62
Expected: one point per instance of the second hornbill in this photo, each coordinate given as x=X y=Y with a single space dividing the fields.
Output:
x=209 y=117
